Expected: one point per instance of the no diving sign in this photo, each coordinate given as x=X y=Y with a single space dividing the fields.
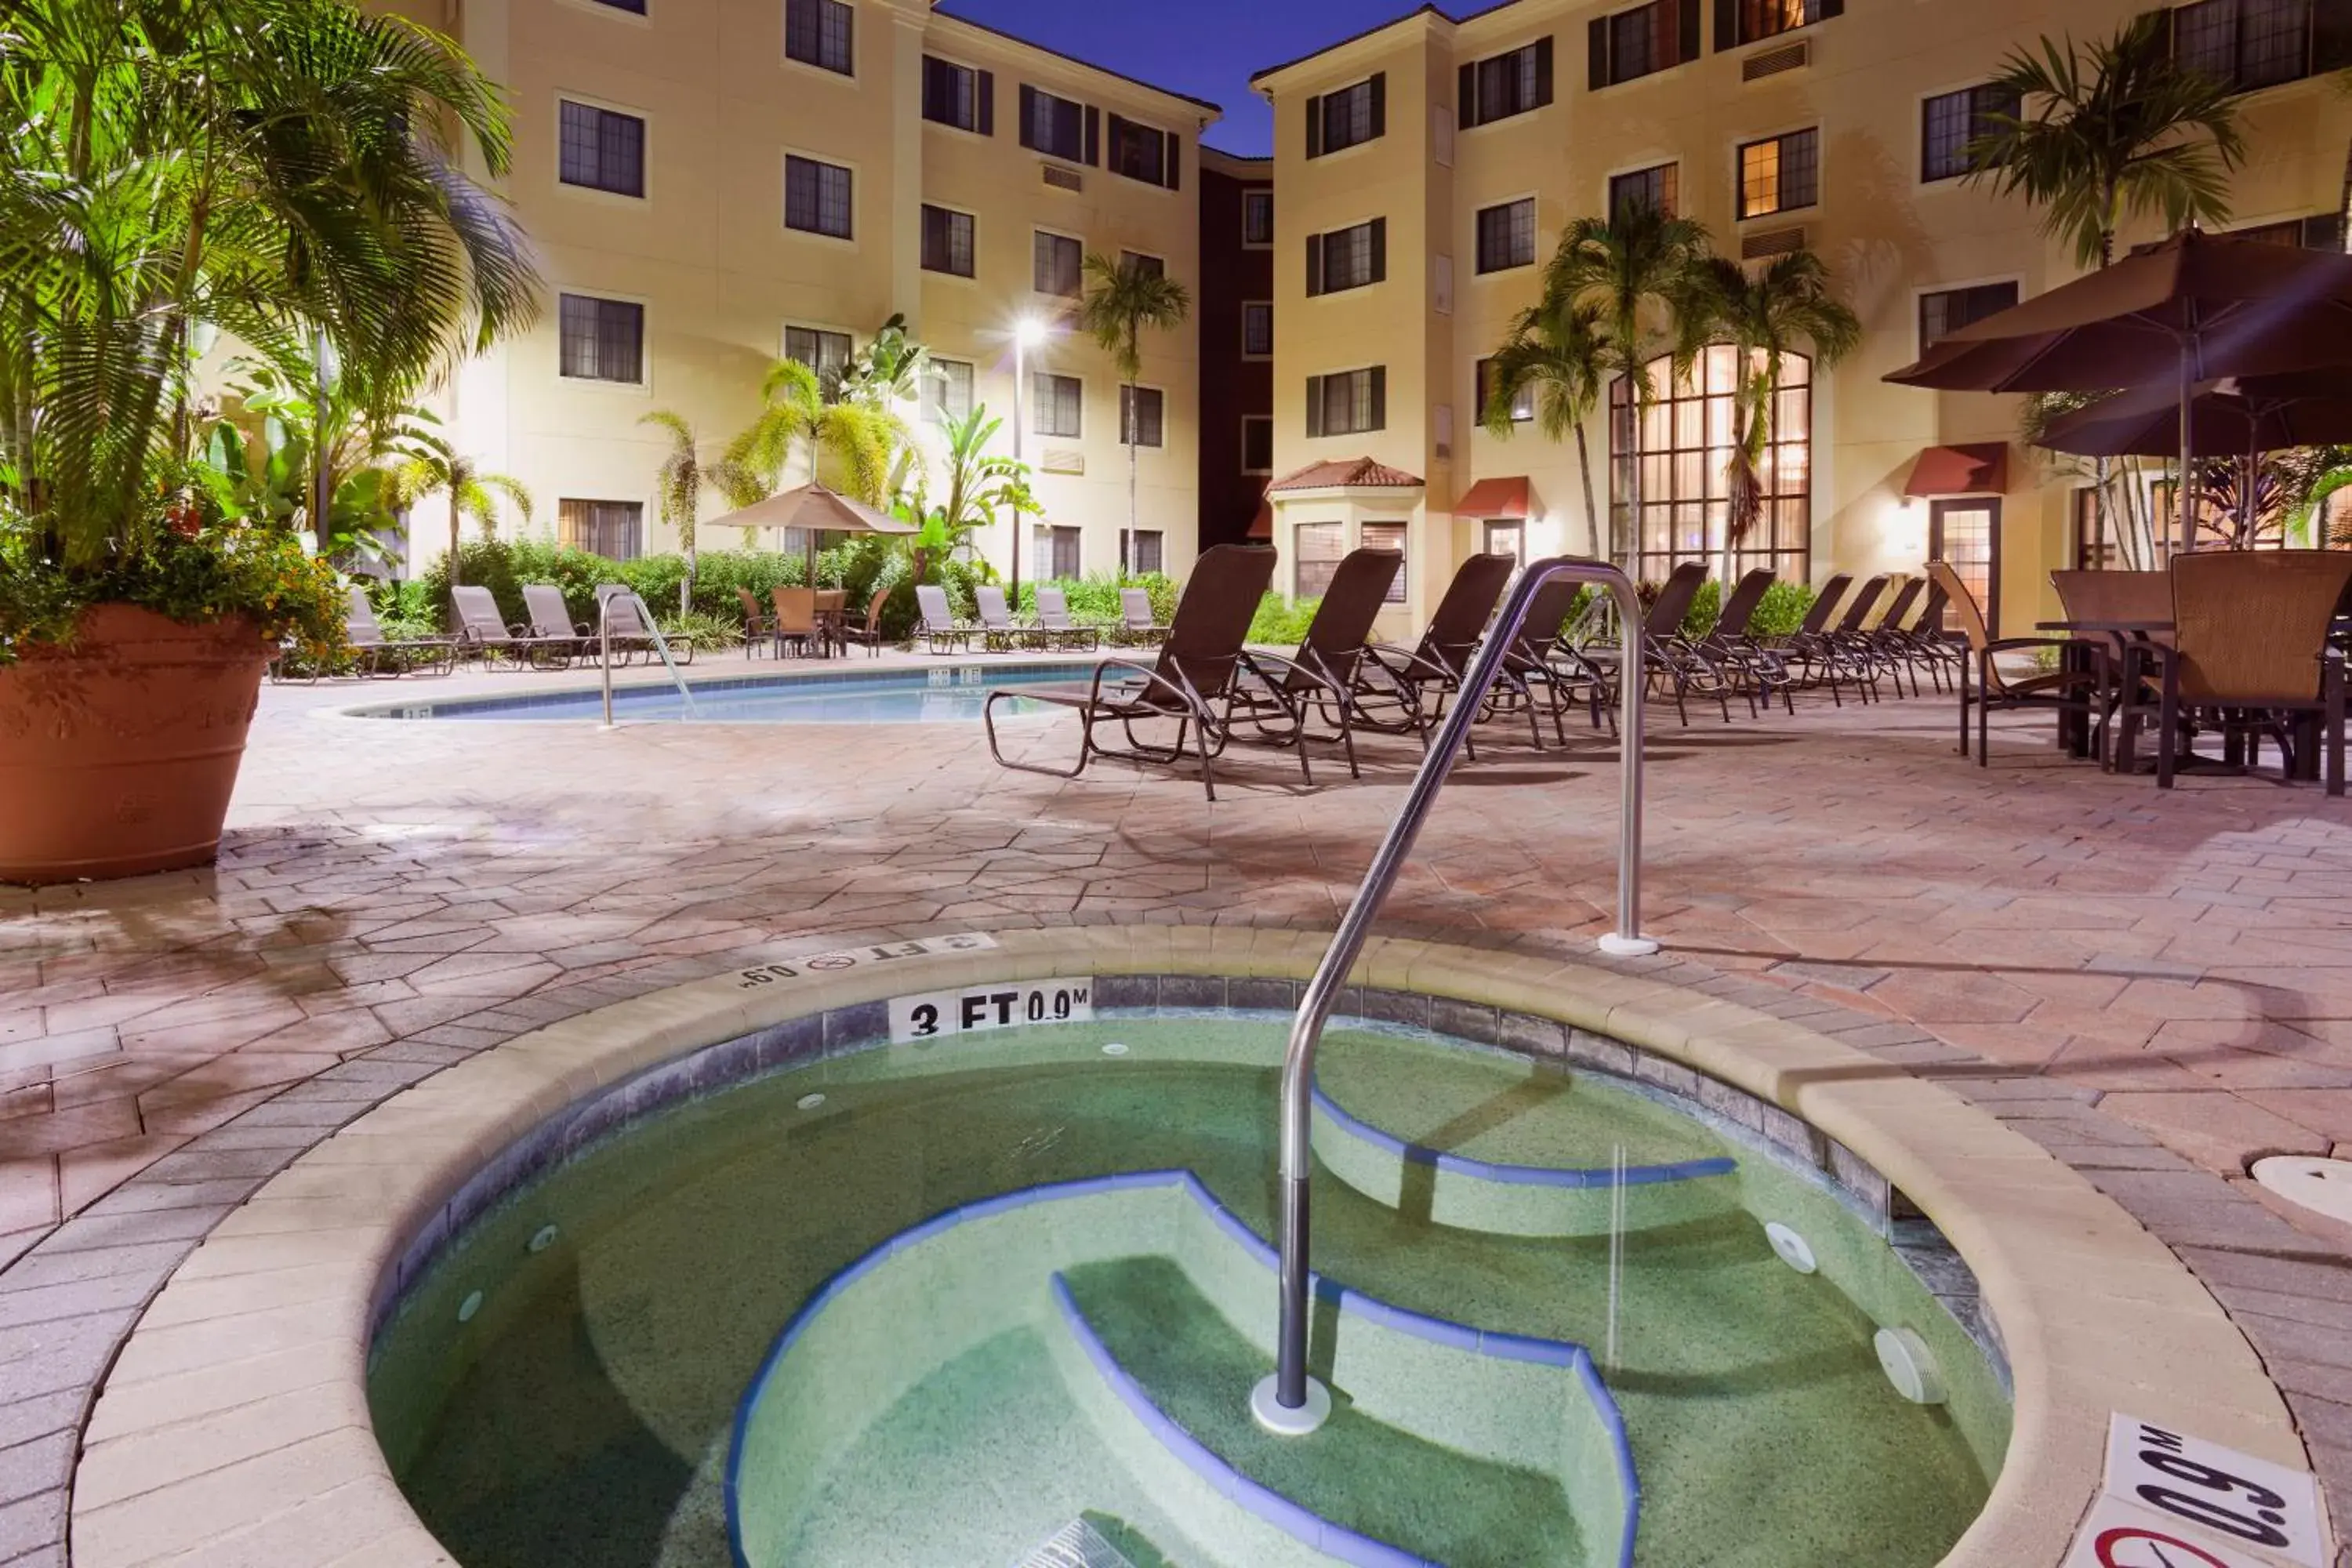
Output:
x=2177 y=1501
x=2119 y=1535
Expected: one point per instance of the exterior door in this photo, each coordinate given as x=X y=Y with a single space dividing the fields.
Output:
x=1966 y=536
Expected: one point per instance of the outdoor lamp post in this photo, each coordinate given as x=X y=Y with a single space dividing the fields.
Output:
x=1027 y=333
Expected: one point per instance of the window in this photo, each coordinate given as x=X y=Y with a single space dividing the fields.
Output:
x=603 y=149
x=601 y=339
x=1950 y=122
x=1768 y=18
x=1348 y=404
x=1257 y=443
x=947 y=392
x=958 y=96
x=1523 y=401
x=1141 y=411
x=1946 y=311
x=1655 y=187
x=1053 y=126
x=1389 y=536
x=1347 y=258
x=816 y=196
x=634 y=7
x=2245 y=44
x=1151 y=266
x=1504 y=85
x=1319 y=547
x=2324 y=231
x=1781 y=173
x=827 y=353
x=1686 y=441
x=1059 y=400
x=817 y=32
x=1257 y=217
x=1060 y=264
x=946 y=241
x=1144 y=152
x=613 y=528
x=1506 y=235
x=1056 y=551
x=1347 y=118
x=1507 y=538
x=1147 y=551
x=1634 y=43
x=1258 y=329
x=2092 y=549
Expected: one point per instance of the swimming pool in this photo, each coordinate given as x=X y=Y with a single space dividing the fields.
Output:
x=945 y=694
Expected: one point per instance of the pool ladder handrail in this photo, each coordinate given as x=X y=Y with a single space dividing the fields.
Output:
x=661 y=645
x=1289 y=1381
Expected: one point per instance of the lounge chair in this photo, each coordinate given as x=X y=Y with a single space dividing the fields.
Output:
x=1057 y=628
x=2250 y=652
x=1404 y=692
x=1882 y=643
x=551 y=623
x=1671 y=661
x=380 y=655
x=480 y=630
x=1810 y=648
x=936 y=624
x=1282 y=699
x=795 y=620
x=1190 y=684
x=868 y=635
x=1135 y=621
x=1845 y=650
x=1540 y=673
x=2079 y=691
x=758 y=627
x=1759 y=671
x=626 y=613
x=999 y=633
x=1925 y=644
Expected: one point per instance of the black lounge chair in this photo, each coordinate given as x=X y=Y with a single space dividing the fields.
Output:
x=1404 y=692
x=1283 y=699
x=1191 y=683
x=1758 y=671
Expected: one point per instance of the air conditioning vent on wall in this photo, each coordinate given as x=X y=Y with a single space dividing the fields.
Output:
x=1064 y=460
x=1770 y=242
x=1772 y=62
x=1063 y=179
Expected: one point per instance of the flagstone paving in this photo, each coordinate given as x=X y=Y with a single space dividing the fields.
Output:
x=2157 y=987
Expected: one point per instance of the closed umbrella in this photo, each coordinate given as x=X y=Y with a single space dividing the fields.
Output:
x=2194 y=307
x=814 y=510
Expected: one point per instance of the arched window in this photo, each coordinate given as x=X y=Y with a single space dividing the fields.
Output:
x=1687 y=442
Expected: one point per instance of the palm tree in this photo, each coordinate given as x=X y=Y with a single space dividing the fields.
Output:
x=2110 y=130
x=1126 y=297
x=1784 y=306
x=683 y=474
x=1636 y=267
x=979 y=486
x=795 y=414
x=433 y=467
x=1557 y=350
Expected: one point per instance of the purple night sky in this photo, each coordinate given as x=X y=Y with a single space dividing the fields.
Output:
x=1204 y=47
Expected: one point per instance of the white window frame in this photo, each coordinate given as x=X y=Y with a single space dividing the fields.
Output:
x=589 y=100
x=641 y=387
x=826 y=73
x=1267 y=306
x=784 y=200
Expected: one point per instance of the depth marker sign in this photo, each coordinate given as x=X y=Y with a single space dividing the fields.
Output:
x=1005 y=1005
x=2177 y=1501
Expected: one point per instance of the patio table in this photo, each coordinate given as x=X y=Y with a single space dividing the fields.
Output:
x=2075 y=729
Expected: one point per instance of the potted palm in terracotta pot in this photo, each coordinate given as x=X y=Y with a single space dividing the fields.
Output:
x=280 y=172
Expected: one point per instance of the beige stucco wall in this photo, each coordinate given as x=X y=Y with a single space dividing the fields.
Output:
x=707 y=254
x=1886 y=237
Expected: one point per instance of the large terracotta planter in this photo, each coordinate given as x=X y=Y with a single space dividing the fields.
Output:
x=117 y=754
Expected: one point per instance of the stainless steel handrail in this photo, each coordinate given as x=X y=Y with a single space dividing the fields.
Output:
x=1281 y=1402
x=661 y=645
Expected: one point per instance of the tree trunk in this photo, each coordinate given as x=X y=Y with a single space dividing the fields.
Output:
x=1598 y=548
x=1127 y=550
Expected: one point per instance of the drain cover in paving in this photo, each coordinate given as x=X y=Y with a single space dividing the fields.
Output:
x=2324 y=1187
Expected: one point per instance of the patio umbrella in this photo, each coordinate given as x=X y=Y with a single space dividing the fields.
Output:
x=814 y=510
x=2194 y=307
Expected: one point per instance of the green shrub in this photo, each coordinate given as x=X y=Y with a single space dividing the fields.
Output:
x=1707 y=608
x=702 y=632
x=1094 y=597
x=1280 y=622
x=1783 y=609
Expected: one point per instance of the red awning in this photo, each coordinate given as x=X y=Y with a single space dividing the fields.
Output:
x=1501 y=497
x=1261 y=526
x=1977 y=470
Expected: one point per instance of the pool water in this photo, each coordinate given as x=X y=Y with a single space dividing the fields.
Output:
x=947 y=694
x=579 y=1416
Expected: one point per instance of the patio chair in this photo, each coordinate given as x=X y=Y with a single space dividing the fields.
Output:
x=1925 y=644
x=1282 y=698
x=1671 y=661
x=795 y=619
x=2250 y=654
x=1136 y=623
x=480 y=630
x=1810 y=648
x=758 y=627
x=870 y=635
x=551 y=623
x=1845 y=650
x=832 y=610
x=380 y=655
x=1191 y=683
x=998 y=632
x=1057 y=628
x=2061 y=690
x=1401 y=692
x=1540 y=673
x=626 y=616
x=1730 y=647
x=936 y=623
x=1884 y=643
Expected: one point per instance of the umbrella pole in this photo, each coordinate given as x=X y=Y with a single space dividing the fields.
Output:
x=2188 y=448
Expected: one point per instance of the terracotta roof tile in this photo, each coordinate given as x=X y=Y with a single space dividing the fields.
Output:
x=1346 y=473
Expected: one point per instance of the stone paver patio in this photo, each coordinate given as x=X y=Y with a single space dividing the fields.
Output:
x=2157 y=987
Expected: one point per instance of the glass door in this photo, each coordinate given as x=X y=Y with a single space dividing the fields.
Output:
x=1966 y=536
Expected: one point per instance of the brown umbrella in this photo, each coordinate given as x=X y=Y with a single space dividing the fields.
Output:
x=2194 y=307
x=814 y=510
x=2234 y=418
